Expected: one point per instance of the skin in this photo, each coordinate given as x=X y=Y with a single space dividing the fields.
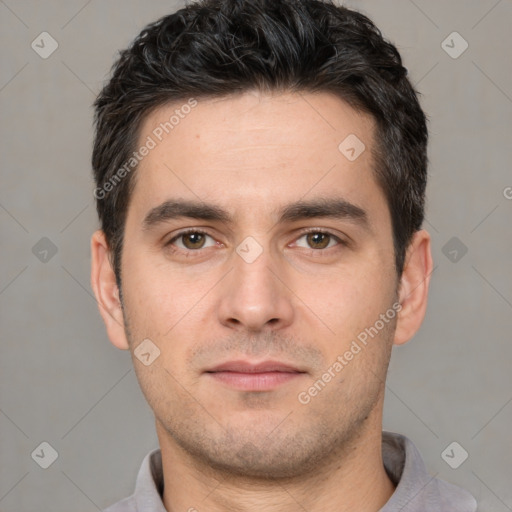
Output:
x=302 y=301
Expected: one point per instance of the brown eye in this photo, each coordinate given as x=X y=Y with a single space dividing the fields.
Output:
x=318 y=240
x=193 y=240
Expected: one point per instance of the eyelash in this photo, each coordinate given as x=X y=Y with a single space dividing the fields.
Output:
x=340 y=242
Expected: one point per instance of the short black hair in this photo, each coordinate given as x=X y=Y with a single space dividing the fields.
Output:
x=215 y=48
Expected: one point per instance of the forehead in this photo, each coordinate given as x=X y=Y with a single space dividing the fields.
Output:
x=240 y=149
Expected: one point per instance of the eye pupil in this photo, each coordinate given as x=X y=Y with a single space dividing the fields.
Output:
x=318 y=238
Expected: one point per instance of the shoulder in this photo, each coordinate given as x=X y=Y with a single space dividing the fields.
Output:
x=416 y=490
x=147 y=494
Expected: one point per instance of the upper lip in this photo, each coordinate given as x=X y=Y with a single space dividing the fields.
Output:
x=248 y=367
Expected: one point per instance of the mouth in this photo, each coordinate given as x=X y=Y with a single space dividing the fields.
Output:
x=247 y=376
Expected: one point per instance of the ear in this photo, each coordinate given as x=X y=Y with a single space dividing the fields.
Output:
x=413 y=289
x=103 y=282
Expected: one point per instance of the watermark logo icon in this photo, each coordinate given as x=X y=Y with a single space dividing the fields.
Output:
x=44 y=250
x=44 y=45
x=44 y=455
x=351 y=147
x=454 y=45
x=454 y=455
x=454 y=249
x=249 y=250
x=146 y=352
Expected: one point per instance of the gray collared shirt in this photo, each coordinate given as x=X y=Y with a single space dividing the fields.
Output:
x=416 y=490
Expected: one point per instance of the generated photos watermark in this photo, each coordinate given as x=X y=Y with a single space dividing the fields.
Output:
x=355 y=348
x=157 y=135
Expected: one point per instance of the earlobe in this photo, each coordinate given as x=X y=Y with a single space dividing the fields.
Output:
x=103 y=282
x=414 y=284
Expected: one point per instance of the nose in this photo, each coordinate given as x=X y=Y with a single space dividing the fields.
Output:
x=255 y=297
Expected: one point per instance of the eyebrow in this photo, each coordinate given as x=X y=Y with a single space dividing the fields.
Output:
x=335 y=208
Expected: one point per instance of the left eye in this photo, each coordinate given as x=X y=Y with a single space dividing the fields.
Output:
x=192 y=240
x=319 y=239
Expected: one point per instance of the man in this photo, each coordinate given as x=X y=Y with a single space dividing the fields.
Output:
x=260 y=174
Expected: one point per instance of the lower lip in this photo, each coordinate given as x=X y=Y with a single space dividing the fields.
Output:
x=265 y=381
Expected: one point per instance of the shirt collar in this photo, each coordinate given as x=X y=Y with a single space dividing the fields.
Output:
x=416 y=490
x=150 y=483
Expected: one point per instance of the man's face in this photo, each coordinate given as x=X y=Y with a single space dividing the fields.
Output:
x=257 y=285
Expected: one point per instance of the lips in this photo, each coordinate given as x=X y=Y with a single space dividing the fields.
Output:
x=254 y=377
x=247 y=367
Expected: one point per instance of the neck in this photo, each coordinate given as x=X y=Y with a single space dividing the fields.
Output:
x=353 y=478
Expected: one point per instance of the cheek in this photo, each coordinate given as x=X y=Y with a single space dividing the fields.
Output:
x=161 y=388
x=353 y=299
x=155 y=298
x=168 y=309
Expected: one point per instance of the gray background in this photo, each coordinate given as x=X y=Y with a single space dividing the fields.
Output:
x=64 y=383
